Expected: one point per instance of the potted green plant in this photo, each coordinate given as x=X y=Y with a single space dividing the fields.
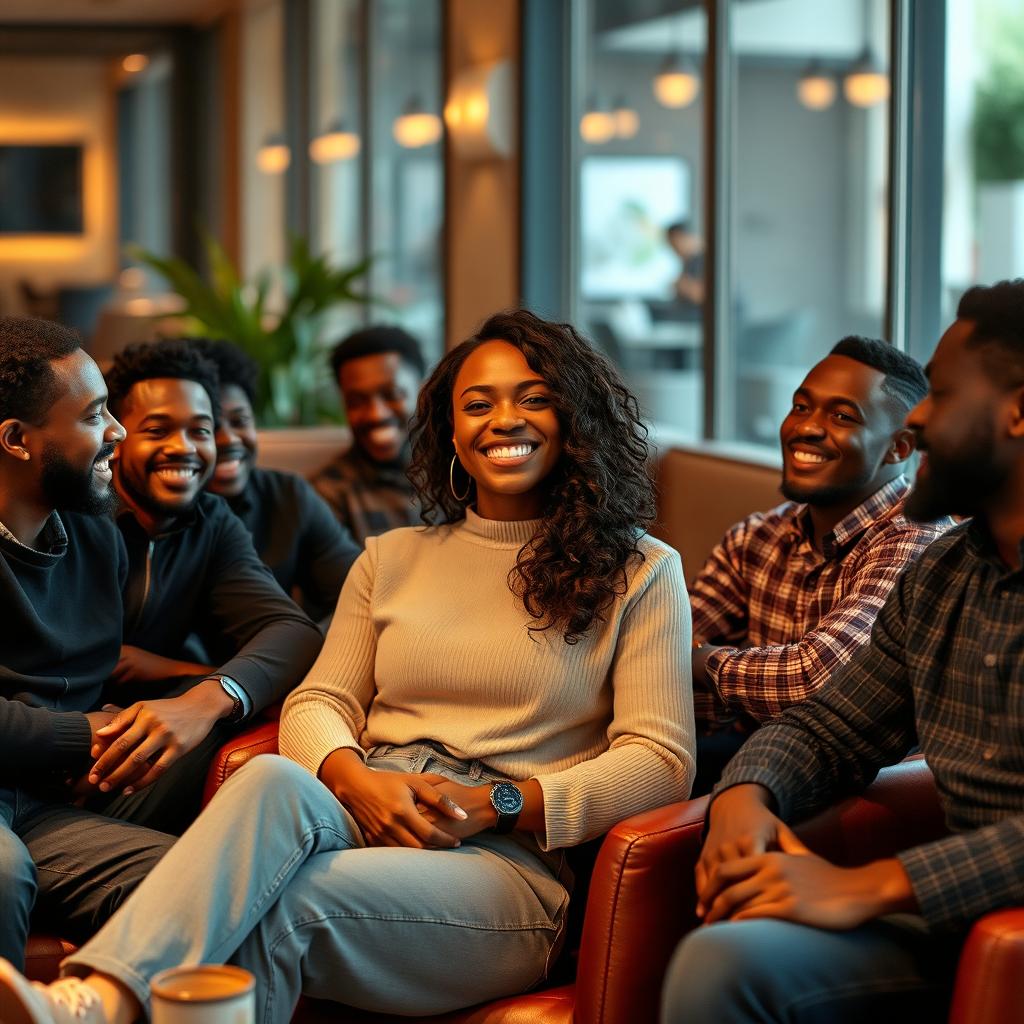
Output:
x=287 y=346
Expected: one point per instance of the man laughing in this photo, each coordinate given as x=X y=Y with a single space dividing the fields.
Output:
x=192 y=572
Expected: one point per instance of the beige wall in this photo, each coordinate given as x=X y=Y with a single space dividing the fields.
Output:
x=482 y=196
x=54 y=100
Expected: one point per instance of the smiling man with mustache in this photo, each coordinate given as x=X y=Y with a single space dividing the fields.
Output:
x=378 y=370
x=193 y=572
x=789 y=595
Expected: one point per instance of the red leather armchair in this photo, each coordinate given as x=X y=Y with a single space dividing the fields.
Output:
x=641 y=898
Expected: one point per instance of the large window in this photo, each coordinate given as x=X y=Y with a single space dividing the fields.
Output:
x=807 y=236
x=794 y=96
x=639 y=145
x=377 y=161
x=983 y=207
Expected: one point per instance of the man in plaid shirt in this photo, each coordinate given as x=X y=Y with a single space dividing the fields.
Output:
x=789 y=595
x=378 y=370
x=801 y=939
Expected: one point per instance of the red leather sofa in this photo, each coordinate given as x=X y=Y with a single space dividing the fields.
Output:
x=640 y=904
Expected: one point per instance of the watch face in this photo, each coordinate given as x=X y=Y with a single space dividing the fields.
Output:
x=506 y=798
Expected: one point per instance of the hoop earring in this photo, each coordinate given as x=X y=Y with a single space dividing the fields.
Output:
x=451 y=482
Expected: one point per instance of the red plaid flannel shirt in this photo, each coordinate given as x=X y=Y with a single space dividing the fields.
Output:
x=789 y=615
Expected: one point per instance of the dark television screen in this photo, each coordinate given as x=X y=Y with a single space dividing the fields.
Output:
x=40 y=190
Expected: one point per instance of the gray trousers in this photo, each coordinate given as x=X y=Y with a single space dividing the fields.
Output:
x=275 y=876
x=71 y=867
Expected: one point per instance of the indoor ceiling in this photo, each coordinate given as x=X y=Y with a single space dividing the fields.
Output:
x=112 y=12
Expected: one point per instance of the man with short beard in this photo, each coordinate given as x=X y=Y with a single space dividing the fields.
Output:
x=62 y=568
x=801 y=939
x=192 y=572
x=789 y=595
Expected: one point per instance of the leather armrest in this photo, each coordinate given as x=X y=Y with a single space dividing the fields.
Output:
x=641 y=903
x=989 y=986
x=260 y=739
x=898 y=810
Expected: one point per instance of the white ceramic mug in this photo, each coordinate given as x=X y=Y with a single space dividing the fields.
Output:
x=203 y=994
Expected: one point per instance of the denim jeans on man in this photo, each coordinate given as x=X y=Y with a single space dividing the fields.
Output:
x=71 y=867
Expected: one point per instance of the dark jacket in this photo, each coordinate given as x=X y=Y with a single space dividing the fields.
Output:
x=297 y=536
x=204 y=577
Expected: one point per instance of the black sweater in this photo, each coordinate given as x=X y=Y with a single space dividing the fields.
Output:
x=298 y=538
x=204 y=577
x=60 y=638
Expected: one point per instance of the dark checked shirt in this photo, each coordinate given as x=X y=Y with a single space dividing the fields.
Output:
x=789 y=615
x=945 y=669
x=368 y=498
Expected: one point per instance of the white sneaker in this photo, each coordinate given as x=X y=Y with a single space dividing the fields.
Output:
x=68 y=1001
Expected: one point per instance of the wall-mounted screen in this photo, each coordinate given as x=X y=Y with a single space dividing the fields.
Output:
x=40 y=190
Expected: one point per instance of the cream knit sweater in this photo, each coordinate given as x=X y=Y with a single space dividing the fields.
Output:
x=428 y=642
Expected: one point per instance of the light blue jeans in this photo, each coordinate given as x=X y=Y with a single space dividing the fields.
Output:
x=890 y=971
x=274 y=876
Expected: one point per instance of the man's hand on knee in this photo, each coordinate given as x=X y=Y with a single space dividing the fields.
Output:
x=796 y=885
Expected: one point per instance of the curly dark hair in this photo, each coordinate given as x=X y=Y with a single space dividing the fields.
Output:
x=233 y=365
x=601 y=497
x=176 y=358
x=28 y=348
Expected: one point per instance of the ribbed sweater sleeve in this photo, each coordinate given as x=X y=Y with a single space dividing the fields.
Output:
x=429 y=643
x=649 y=761
x=328 y=711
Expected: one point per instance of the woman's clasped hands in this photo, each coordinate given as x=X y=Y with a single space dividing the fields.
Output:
x=423 y=811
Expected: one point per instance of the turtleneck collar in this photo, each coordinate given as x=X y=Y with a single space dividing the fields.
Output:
x=498 y=532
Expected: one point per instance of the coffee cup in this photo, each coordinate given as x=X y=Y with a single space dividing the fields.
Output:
x=203 y=994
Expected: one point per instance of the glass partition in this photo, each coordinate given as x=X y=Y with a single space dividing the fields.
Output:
x=639 y=145
x=808 y=237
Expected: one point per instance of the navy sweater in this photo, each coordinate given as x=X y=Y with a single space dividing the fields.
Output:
x=60 y=638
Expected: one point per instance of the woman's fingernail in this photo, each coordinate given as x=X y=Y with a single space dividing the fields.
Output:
x=460 y=812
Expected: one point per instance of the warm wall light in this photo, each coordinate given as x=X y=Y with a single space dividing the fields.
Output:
x=415 y=127
x=274 y=156
x=627 y=120
x=337 y=143
x=676 y=84
x=866 y=84
x=478 y=113
x=135 y=62
x=816 y=90
x=597 y=125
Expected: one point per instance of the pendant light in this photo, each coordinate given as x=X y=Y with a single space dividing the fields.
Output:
x=677 y=83
x=336 y=143
x=416 y=127
x=597 y=125
x=816 y=89
x=866 y=84
x=626 y=119
x=274 y=156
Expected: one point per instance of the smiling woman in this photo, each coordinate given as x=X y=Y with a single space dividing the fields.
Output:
x=546 y=429
x=508 y=682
